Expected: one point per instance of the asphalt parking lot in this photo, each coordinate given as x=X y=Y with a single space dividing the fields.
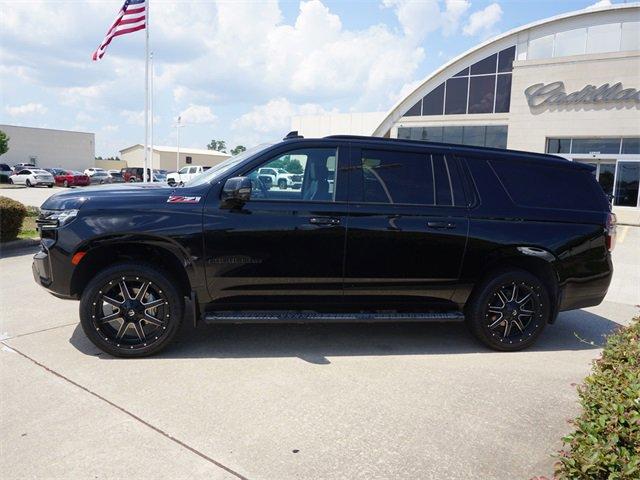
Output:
x=291 y=401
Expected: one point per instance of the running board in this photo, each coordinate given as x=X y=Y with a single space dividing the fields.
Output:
x=311 y=317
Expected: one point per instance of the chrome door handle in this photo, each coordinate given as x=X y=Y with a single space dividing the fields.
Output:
x=438 y=225
x=328 y=221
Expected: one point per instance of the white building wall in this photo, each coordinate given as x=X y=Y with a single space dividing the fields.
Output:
x=529 y=127
x=50 y=148
x=315 y=126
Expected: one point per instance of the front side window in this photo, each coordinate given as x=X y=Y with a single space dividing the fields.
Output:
x=307 y=174
x=184 y=170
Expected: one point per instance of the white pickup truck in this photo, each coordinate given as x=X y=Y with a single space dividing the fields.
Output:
x=185 y=174
x=280 y=177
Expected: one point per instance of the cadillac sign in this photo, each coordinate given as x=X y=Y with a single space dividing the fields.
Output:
x=554 y=94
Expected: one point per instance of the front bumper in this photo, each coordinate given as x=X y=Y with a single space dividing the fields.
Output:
x=42 y=270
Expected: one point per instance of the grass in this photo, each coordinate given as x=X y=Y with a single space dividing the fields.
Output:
x=28 y=229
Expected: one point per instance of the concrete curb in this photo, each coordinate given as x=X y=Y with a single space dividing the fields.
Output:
x=18 y=244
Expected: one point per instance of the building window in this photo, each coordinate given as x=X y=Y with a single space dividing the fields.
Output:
x=627 y=179
x=189 y=160
x=478 y=135
x=484 y=87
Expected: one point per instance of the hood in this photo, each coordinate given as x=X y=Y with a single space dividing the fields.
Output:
x=129 y=192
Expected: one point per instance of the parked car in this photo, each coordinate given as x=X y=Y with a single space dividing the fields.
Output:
x=5 y=173
x=91 y=171
x=116 y=176
x=281 y=178
x=32 y=177
x=134 y=174
x=21 y=166
x=503 y=240
x=99 y=177
x=185 y=174
x=71 y=178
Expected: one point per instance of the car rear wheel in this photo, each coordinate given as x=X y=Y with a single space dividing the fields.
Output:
x=65 y=184
x=10 y=181
x=282 y=184
x=509 y=310
x=132 y=180
x=131 y=310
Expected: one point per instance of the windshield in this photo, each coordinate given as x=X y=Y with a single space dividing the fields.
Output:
x=219 y=170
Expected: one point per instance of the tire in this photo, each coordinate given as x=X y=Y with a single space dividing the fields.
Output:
x=181 y=184
x=50 y=186
x=65 y=184
x=282 y=184
x=27 y=183
x=132 y=180
x=509 y=310
x=10 y=181
x=134 y=337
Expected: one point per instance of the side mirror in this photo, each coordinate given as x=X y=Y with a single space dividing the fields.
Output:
x=236 y=191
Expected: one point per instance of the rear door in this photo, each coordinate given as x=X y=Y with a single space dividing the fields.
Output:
x=407 y=225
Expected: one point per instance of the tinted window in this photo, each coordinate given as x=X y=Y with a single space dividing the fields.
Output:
x=503 y=93
x=433 y=101
x=456 y=101
x=536 y=185
x=452 y=134
x=397 y=177
x=602 y=145
x=415 y=111
x=481 y=92
x=462 y=73
x=631 y=146
x=486 y=65
x=626 y=193
x=496 y=136
x=558 y=145
x=506 y=58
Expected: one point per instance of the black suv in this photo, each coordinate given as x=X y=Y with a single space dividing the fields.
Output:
x=380 y=230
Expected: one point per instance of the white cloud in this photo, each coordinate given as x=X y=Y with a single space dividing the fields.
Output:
x=421 y=18
x=26 y=109
x=483 y=20
x=136 y=117
x=601 y=3
x=198 y=114
x=272 y=120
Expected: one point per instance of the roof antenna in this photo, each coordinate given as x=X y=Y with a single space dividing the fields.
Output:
x=292 y=135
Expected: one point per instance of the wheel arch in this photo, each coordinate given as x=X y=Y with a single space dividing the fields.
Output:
x=538 y=261
x=101 y=253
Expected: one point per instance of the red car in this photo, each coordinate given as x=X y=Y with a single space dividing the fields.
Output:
x=71 y=178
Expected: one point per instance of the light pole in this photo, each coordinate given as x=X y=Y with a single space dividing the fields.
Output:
x=178 y=126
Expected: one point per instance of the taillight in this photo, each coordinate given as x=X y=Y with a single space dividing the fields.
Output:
x=610 y=231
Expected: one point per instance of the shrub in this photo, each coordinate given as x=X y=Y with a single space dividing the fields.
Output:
x=606 y=441
x=12 y=214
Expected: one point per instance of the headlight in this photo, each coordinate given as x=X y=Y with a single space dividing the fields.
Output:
x=50 y=219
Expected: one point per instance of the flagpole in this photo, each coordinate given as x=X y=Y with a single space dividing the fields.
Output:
x=146 y=92
x=151 y=119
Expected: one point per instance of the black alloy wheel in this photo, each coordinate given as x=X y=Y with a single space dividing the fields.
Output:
x=509 y=311
x=27 y=183
x=131 y=310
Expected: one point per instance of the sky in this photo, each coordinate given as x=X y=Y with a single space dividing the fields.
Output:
x=233 y=70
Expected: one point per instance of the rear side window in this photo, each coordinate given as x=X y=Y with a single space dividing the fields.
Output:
x=411 y=178
x=540 y=186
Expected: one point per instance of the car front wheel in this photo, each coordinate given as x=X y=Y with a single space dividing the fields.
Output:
x=131 y=310
x=27 y=183
x=509 y=310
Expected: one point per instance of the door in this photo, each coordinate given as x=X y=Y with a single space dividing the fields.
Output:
x=282 y=248
x=22 y=176
x=407 y=226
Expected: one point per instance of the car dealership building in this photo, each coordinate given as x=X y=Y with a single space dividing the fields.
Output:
x=568 y=85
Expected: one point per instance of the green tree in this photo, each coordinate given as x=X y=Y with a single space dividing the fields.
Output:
x=218 y=145
x=237 y=150
x=4 y=143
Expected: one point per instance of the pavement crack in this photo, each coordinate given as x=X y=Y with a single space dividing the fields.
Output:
x=130 y=414
x=38 y=331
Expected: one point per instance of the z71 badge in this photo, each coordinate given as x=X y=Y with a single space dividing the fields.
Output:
x=182 y=199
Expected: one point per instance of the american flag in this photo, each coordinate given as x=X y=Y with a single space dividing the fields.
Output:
x=131 y=18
